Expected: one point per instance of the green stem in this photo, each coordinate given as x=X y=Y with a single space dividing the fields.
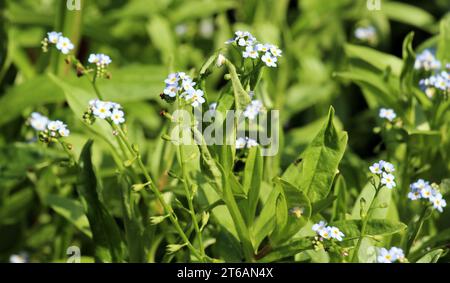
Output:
x=417 y=229
x=365 y=220
x=94 y=85
x=167 y=207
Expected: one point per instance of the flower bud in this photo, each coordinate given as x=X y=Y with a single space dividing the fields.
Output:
x=220 y=60
x=173 y=248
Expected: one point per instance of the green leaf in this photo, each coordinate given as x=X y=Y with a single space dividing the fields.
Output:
x=431 y=257
x=375 y=227
x=109 y=246
x=287 y=250
x=265 y=222
x=409 y=57
x=409 y=14
x=290 y=202
x=375 y=58
x=198 y=9
x=162 y=37
x=313 y=172
x=71 y=210
x=252 y=181
x=444 y=40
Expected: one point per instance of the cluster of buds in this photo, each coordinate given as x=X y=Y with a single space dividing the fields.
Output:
x=49 y=131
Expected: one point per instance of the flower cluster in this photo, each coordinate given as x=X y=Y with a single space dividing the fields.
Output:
x=62 y=43
x=439 y=82
x=101 y=61
x=253 y=109
x=252 y=49
x=105 y=110
x=366 y=34
x=422 y=189
x=245 y=143
x=48 y=129
x=182 y=85
x=427 y=61
x=327 y=232
x=388 y=114
x=391 y=255
x=384 y=170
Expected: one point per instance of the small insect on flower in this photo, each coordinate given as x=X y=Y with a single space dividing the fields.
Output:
x=387 y=114
x=38 y=121
x=269 y=60
x=388 y=180
x=296 y=211
x=64 y=45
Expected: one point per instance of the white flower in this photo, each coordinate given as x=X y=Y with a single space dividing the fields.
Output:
x=64 y=132
x=53 y=37
x=367 y=34
x=55 y=125
x=172 y=79
x=240 y=143
x=325 y=233
x=388 y=167
x=414 y=194
x=427 y=192
x=171 y=90
x=94 y=59
x=105 y=60
x=420 y=184
x=188 y=85
x=388 y=180
x=251 y=143
x=38 y=121
x=19 y=258
x=438 y=202
x=318 y=226
x=263 y=48
x=117 y=117
x=64 y=45
x=427 y=61
x=220 y=60
x=376 y=168
x=385 y=256
x=336 y=233
x=275 y=51
x=102 y=109
x=397 y=254
x=250 y=52
x=253 y=109
x=388 y=114
x=269 y=60
x=196 y=97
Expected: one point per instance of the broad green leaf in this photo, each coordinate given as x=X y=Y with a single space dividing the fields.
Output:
x=409 y=14
x=314 y=170
x=431 y=257
x=253 y=172
x=383 y=199
x=444 y=40
x=287 y=250
x=108 y=243
x=409 y=57
x=378 y=59
x=265 y=222
x=293 y=211
x=241 y=97
x=71 y=210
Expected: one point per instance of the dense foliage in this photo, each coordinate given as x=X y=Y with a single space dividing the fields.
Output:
x=90 y=164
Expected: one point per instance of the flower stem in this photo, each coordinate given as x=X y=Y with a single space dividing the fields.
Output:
x=417 y=229
x=365 y=220
x=167 y=207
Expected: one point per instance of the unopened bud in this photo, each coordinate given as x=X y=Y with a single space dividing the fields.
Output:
x=220 y=60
